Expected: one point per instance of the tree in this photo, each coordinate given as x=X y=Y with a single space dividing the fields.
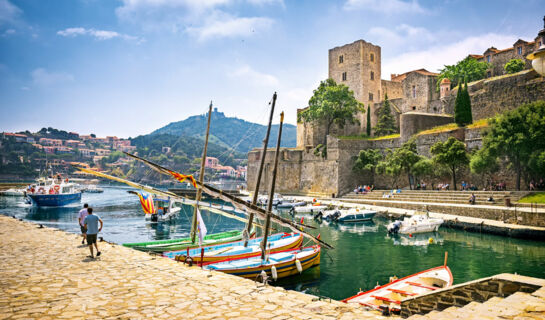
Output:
x=369 y=120
x=423 y=168
x=367 y=160
x=389 y=167
x=518 y=135
x=330 y=104
x=451 y=153
x=386 y=123
x=405 y=157
x=462 y=107
x=483 y=162
x=514 y=66
x=469 y=69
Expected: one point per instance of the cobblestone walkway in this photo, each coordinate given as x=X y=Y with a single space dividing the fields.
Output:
x=45 y=274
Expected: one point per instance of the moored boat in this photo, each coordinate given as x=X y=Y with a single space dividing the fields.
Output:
x=288 y=204
x=276 y=265
x=13 y=193
x=390 y=295
x=418 y=223
x=350 y=215
x=161 y=246
x=237 y=250
x=312 y=208
x=53 y=193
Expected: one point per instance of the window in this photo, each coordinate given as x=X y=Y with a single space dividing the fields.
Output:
x=414 y=107
x=341 y=59
x=344 y=76
x=519 y=50
x=414 y=91
x=489 y=74
x=372 y=75
x=370 y=96
x=372 y=57
x=488 y=58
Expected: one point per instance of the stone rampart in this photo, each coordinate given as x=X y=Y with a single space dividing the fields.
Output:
x=481 y=290
x=414 y=122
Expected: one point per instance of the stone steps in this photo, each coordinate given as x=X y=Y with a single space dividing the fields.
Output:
x=519 y=305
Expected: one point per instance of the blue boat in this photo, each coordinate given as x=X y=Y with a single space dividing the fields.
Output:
x=53 y=193
x=350 y=215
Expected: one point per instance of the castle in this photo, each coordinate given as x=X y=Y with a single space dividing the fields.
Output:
x=416 y=104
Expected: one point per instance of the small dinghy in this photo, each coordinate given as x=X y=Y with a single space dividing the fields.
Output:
x=237 y=250
x=388 y=297
x=418 y=223
x=276 y=265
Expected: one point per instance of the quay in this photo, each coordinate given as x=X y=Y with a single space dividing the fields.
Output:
x=45 y=274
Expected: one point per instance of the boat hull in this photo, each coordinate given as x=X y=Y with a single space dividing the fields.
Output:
x=356 y=218
x=161 y=246
x=283 y=269
x=54 y=200
x=236 y=250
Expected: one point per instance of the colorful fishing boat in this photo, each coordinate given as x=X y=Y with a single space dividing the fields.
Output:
x=389 y=296
x=276 y=265
x=160 y=246
x=237 y=250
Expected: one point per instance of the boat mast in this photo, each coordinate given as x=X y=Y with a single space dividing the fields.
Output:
x=201 y=177
x=260 y=171
x=271 y=193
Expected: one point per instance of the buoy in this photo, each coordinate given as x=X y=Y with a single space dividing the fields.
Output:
x=410 y=235
x=274 y=273
x=299 y=266
x=430 y=240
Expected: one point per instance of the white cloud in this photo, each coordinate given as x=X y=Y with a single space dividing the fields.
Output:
x=43 y=77
x=435 y=57
x=221 y=25
x=385 y=6
x=9 y=13
x=98 y=34
x=254 y=77
x=266 y=2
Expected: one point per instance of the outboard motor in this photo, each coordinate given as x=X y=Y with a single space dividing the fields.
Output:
x=394 y=227
x=319 y=216
x=154 y=217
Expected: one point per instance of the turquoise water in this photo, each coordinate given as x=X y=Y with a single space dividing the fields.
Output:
x=364 y=254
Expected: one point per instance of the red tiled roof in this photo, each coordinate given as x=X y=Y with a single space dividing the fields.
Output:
x=401 y=77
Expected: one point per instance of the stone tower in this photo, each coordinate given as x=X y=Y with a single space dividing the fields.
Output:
x=357 y=65
x=445 y=88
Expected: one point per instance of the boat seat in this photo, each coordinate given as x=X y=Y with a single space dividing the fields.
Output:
x=416 y=284
x=386 y=299
x=403 y=292
x=281 y=257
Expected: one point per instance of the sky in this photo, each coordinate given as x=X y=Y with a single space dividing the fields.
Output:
x=128 y=67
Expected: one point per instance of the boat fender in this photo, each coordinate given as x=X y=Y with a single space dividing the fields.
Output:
x=274 y=273
x=298 y=265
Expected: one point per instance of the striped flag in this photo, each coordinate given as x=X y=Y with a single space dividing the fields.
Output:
x=146 y=200
x=201 y=228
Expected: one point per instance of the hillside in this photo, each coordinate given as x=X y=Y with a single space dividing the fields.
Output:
x=229 y=132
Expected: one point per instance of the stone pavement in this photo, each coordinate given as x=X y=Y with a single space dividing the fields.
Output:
x=45 y=274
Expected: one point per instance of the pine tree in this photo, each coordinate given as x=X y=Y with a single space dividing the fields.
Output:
x=462 y=106
x=369 y=120
x=386 y=123
x=458 y=107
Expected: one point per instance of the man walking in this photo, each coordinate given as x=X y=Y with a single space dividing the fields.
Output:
x=91 y=223
x=81 y=217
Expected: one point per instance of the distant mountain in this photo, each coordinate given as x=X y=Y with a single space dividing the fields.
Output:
x=229 y=132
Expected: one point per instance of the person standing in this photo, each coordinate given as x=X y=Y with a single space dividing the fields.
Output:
x=81 y=218
x=91 y=223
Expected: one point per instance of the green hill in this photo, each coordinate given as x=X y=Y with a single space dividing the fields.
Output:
x=229 y=132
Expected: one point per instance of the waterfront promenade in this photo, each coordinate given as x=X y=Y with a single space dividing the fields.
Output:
x=44 y=273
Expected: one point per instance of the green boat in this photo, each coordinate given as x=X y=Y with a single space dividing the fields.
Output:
x=161 y=246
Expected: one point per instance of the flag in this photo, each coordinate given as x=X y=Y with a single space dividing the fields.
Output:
x=146 y=200
x=182 y=177
x=201 y=228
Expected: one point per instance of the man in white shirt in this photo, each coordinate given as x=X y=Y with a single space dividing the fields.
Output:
x=81 y=218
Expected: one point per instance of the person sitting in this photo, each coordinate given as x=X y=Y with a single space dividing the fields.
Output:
x=472 y=199
x=490 y=199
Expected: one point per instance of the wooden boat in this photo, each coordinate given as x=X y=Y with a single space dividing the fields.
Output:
x=389 y=296
x=276 y=265
x=418 y=223
x=161 y=246
x=236 y=250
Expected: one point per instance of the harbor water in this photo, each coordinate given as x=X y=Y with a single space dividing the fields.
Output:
x=364 y=254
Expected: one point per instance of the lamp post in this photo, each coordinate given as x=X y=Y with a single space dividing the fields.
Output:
x=538 y=57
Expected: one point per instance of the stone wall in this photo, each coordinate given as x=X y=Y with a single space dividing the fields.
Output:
x=393 y=89
x=414 y=122
x=481 y=290
x=424 y=91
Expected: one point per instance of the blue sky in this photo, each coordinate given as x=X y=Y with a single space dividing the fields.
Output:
x=128 y=67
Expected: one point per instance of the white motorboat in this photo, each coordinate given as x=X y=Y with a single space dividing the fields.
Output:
x=418 y=223
x=348 y=215
x=311 y=208
x=164 y=210
x=388 y=297
x=13 y=193
x=288 y=204
x=264 y=200
x=92 y=189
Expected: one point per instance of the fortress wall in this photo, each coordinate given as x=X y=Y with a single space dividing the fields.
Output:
x=393 y=89
x=414 y=122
